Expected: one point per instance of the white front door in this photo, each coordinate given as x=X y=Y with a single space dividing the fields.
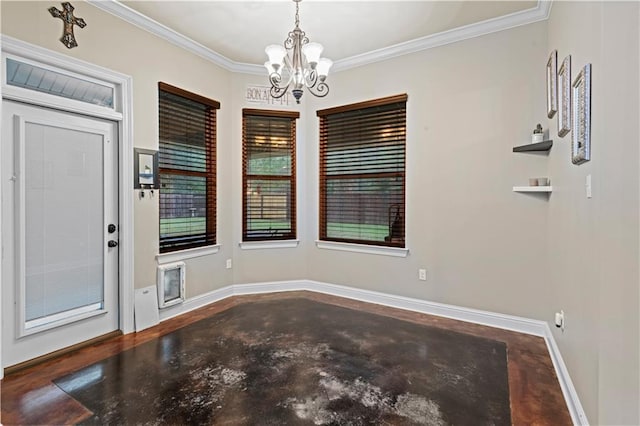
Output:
x=59 y=230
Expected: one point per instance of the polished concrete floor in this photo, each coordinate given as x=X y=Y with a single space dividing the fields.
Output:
x=31 y=397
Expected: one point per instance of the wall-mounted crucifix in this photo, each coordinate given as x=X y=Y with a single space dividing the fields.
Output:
x=66 y=14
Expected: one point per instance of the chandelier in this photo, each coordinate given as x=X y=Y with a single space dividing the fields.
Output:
x=298 y=65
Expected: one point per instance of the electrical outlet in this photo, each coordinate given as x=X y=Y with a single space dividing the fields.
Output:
x=422 y=274
x=229 y=264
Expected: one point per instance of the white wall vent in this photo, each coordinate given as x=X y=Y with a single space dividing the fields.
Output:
x=171 y=280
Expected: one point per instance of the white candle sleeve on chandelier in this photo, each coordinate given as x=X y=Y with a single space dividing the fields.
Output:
x=312 y=52
x=323 y=67
x=276 y=54
x=271 y=69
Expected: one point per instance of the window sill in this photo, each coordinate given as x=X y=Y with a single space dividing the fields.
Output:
x=362 y=248
x=176 y=256
x=256 y=245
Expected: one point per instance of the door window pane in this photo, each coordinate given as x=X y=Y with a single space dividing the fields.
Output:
x=63 y=182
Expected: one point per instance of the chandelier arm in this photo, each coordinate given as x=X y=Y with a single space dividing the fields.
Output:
x=311 y=79
x=277 y=89
x=278 y=92
x=320 y=90
x=289 y=41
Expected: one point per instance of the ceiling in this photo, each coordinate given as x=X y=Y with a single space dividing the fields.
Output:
x=239 y=30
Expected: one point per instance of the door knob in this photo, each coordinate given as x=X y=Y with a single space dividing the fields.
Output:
x=111 y=228
x=112 y=243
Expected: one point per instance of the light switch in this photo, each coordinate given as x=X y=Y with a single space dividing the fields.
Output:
x=588 y=186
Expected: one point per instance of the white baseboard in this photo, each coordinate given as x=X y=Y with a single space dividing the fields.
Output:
x=269 y=287
x=205 y=299
x=491 y=319
x=194 y=303
x=507 y=322
x=578 y=415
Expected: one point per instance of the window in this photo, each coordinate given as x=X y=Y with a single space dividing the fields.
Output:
x=187 y=166
x=268 y=175
x=67 y=85
x=362 y=172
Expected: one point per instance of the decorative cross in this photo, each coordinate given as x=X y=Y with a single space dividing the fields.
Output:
x=68 y=39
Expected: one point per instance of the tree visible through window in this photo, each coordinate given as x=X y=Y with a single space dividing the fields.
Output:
x=187 y=167
x=362 y=172
x=268 y=175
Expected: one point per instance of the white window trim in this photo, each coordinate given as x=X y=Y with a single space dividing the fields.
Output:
x=256 y=245
x=363 y=248
x=177 y=256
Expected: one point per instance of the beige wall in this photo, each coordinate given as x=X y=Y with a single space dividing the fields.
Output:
x=593 y=243
x=483 y=245
x=448 y=121
x=110 y=42
x=266 y=265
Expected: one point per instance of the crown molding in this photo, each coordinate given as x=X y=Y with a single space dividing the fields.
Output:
x=524 y=17
x=136 y=18
x=539 y=13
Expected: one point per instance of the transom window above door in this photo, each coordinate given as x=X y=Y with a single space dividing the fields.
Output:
x=46 y=80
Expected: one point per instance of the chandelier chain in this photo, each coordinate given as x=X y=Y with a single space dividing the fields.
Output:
x=297 y=14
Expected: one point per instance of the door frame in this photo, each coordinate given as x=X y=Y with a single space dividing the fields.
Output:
x=122 y=113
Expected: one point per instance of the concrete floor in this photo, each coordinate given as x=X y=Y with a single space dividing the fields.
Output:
x=388 y=365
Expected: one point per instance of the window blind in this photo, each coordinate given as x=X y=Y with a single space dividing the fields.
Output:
x=187 y=167
x=268 y=175
x=362 y=172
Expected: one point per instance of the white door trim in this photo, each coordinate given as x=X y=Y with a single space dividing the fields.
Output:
x=124 y=106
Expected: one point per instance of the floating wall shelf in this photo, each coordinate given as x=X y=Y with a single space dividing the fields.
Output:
x=543 y=146
x=533 y=147
x=532 y=189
